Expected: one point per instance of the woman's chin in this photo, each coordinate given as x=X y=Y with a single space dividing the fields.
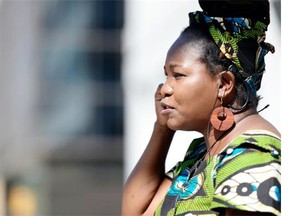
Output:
x=173 y=125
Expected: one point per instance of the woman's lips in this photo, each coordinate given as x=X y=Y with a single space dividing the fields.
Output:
x=166 y=109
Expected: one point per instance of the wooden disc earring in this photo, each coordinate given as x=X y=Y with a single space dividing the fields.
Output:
x=222 y=119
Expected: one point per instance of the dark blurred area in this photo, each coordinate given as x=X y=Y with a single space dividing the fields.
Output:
x=61 y=108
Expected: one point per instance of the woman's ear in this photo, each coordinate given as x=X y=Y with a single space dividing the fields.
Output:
x=226 y=84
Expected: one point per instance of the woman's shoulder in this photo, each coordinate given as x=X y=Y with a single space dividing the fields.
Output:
x=259 y=137
x=257 y=122
x=255 y=130
x=254 y=140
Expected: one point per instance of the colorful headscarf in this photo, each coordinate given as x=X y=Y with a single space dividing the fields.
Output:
x=242 y=41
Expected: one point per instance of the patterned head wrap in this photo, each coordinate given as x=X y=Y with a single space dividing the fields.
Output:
x=242 y=41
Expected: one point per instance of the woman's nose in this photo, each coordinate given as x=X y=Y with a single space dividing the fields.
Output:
x=166 y=90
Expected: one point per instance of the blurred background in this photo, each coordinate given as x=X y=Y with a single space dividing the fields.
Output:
x=61 y=101
x=77 y=80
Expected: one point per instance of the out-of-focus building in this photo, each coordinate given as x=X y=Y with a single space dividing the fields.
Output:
x=61 y=107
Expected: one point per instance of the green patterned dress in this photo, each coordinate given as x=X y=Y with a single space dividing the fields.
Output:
x=245 y=176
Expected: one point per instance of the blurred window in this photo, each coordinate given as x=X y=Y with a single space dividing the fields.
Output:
x=81 y=91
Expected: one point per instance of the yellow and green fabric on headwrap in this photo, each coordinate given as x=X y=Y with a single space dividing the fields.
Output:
x=241 y=40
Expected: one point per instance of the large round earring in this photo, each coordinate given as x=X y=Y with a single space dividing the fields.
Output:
x=222 y=119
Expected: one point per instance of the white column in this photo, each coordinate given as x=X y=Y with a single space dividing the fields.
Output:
x=19 y=65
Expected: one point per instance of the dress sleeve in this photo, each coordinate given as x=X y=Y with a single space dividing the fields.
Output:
x=248 y=178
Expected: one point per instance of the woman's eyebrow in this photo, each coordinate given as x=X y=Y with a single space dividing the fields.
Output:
x=172 y=66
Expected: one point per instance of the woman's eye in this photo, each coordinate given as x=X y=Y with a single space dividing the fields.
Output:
x=177 y=75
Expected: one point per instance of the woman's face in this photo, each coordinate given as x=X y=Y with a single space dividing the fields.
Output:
x=190 y=92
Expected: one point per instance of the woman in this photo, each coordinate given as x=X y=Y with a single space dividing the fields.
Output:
x=213 y=71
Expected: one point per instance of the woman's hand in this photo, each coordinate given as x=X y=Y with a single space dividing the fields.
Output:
x=161 y=119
